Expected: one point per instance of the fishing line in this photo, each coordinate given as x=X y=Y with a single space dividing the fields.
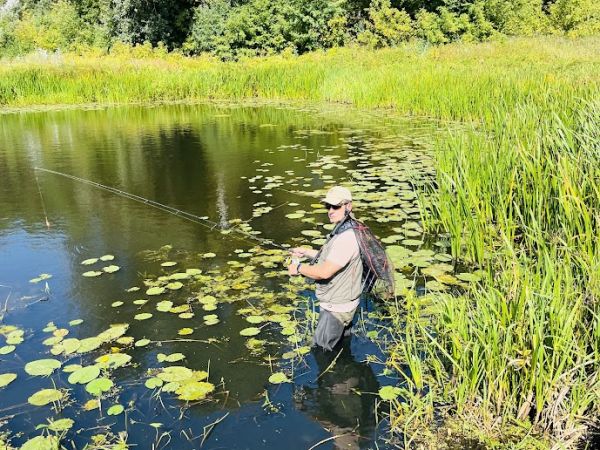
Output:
x=37 y=182
x=166 y=208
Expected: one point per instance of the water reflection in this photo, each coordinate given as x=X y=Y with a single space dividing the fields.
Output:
x=342 y=398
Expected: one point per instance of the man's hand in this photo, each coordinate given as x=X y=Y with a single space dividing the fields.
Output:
x=298 y=252
x=293 y=269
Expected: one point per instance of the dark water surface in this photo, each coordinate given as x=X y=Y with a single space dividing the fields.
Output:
x=201 y=159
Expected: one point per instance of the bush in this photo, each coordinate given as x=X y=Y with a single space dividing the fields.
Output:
x=386 y=26
x=208 y=26
x=576 y=17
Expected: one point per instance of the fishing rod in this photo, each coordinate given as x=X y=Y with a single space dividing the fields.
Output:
x=166 y=208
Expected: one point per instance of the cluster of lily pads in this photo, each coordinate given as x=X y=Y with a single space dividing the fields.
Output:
x=383 y=180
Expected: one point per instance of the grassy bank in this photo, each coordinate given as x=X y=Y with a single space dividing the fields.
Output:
x=518 y=356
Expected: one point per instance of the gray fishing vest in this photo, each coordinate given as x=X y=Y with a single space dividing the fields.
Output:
x=345 y=285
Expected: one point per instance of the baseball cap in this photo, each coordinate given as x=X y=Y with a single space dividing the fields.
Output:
x=337 y=195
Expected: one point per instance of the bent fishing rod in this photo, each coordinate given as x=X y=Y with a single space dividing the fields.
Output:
x=166 y=208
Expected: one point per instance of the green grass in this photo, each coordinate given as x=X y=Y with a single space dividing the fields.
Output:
x=518 y=356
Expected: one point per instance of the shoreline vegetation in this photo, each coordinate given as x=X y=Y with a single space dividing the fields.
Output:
x=515 y=359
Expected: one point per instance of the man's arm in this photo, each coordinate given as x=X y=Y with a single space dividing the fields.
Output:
x=322 y=271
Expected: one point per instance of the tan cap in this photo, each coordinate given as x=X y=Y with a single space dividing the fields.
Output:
x=337 y=195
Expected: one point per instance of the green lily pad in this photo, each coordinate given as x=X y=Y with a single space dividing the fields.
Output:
x=84 y=375
x=7 y=378
x=107 y=258
x=255 y=319
x=42 y=367
x=175 y=374
x=113 y=360
x=468 y=277
x=164 y=306
x=111 y=269
x=185 y=331
x=89 y=262
x=209 y=255
x=92 y=273
x=70 y=345
x=173 y=357
x=89 y=344
x=278 y=378
x=142 y=316
x=61 y=425
x=70 y=368
x=389 y=392
x=175 y=286
x=157 y=290
x=7 y=349
x=45 y=396
x=99 y=385
x=116 y=304
x=142 y=342
x=115 y=410
x=41 y=443
x=75 y=322
x=168 y=264
x=153 y=383
x=250 y=331
x=194 y=390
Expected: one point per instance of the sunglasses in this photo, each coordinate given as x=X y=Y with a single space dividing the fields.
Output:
x=327 y=206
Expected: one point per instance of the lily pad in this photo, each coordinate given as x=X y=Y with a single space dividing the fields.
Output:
x=113 y=360
x=156 y=290
x=164 y=306
x=98 y=386
x=41 y=443
x=389 y=392
x=45 y=396
x=209 y=255
x=92 y=273
x=111 y=269
x=61 y=425
x=468 y=277
x=75 y=322
x=194 y=390
x=173 y=357
x=42 y=367
x=185 y=331
x=89 y=262
x=7 y=378
x=116 y=304
x=250 y=331
x=175 y=374
x=175 y=286
x=153 y=383
x=142 y=316
x=142 y=342
x=168 y=264
x=278 y=378
x=115 y=410
x=7 y=349
x=84 y=375
x=107 y=258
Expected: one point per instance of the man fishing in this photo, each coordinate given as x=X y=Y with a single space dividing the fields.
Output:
x=337 y=270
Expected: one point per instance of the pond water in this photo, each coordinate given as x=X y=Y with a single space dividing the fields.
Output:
x=247 y=172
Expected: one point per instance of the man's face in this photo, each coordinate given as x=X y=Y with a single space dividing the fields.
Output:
x=337 y=212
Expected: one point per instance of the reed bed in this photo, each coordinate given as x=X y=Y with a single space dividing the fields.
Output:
x=515 y=359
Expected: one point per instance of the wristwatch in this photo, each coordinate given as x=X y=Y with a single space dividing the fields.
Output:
x=298 y=269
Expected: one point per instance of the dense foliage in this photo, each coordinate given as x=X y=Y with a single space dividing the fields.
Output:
x=235 y=28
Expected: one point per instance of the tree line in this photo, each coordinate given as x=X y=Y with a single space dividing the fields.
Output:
x=230 y=29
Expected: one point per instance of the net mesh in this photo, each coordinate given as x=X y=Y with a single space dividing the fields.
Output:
x=378 y=271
